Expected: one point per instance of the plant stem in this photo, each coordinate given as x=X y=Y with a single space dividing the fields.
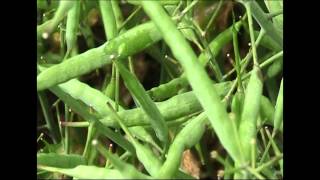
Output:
x=213 y=17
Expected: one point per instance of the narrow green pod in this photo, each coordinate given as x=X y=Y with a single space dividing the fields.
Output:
x=97 y=101
x=171 y=88
x=182 y=141
x=72 y=27
x=237 y=106
x=49 y=26
x=267 y=110
x=198 y=78
x=117 y=12
x=176 y=107
x=60 y=160
x=108 y=18
x=127 y=44
x=251 y=107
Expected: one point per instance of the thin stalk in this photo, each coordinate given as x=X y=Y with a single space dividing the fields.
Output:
x=265 y=153
x=255 y=173
x=171 y=59
x=213 y=60
x=195 y=41
x=66 y=130
x=111 y=31
x=117 y=90
x=269 y=163
x=274 y=14
x=233 y=87
x=75 y=124
x=185 y=11
x=40 y=136
x=253 y=153
x=237 y=55
x=56 y=103
x=131 y=67
x=259 y=38
x=129 y=18
x=213 y=17
x=107 y=161
x=251 y=31
x=215 y=155
x=59 y=123
x=266 y=63
x=90 y=135
x=117 y=12
x=62 y=45
x=200 y=153
x=274 y=145
x=48 y=116
x=176 y=10
x=263 y=137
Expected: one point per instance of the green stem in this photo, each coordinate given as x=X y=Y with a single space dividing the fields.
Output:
x=237 y=56
x=274 y=14
x=266 y=63
x=66 y=130
x=251 y=31
x=129 y=18
x=75 y=124
x=255 y=173
x=269 y=163
x=117 y=89
x=215 y=65
x=213 y=17
x=48 y=116
x=186 y=10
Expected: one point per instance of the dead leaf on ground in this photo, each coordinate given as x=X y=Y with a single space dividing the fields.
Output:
x=190 y=164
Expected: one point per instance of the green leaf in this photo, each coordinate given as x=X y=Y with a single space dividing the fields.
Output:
x=136 y=89
x=273 y=7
